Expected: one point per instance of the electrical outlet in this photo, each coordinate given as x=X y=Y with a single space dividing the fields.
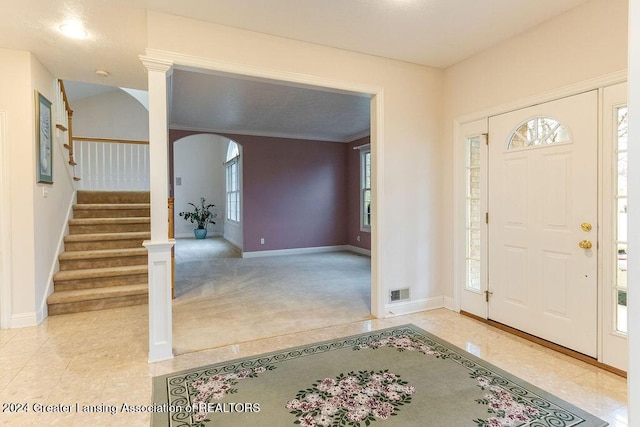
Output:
x=262 y=240
x=358 y=237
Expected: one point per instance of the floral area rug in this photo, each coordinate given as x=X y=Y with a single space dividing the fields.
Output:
x=401 y=376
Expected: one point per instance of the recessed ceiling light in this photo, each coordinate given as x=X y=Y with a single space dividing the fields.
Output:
x=73 y=29
x=102 y=73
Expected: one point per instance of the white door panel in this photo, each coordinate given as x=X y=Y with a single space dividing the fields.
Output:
x=542 y=282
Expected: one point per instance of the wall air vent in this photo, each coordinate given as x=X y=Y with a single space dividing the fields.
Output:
x=399 y=295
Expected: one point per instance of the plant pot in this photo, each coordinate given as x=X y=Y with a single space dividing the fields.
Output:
x=200 y=233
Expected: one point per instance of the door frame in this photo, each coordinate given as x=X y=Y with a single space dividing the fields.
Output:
x=459 y=184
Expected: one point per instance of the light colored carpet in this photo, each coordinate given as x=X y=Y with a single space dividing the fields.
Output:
x=222 y=299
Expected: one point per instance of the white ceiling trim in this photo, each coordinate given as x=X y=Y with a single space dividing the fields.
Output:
x=200 y=64
x=310 y=137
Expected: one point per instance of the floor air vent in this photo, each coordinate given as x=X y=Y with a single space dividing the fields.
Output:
x=399 y=294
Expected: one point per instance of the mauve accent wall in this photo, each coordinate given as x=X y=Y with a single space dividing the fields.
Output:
x=353 y=196
x=294 y=193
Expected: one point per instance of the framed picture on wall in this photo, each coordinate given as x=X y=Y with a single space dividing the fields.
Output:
x=44 y=139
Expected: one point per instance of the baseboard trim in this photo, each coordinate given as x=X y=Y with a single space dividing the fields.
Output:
x=416 y=306
x=43 y=312
x=302 y=251
x=548 y=344
x=191 y=235
x=449 y=303
x=295 y=251
x=24 y=320
x=358 y=250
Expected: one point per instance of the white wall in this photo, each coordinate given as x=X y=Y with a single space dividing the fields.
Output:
x=587 y=42
x=113 y=114
x=51 y=203
x=35 y=222
x=16 y=100
x=198 y=161
x=410 y=164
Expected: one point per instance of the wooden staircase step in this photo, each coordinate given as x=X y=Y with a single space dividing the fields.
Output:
x=98 y=241
x=111 y=210
x=73 y=301
x=106 y=253
x=79 y=260
x=67 y=280
x=108 y=225
x=95 y=273
x=113 y=197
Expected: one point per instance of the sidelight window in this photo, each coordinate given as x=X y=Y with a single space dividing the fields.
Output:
x=473 y=214
x=620 y=219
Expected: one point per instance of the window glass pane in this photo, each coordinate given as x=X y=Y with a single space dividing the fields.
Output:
x=622 y=127
x=474 y=182
x=365 y=187
x=620 y=206
x=622 y=311
x=622 y=173
x=473 y=152
x=473 y=273
x=538 y=131
x=621 y=271
x=232 y=151
x=232 y=184
x=367 y=208
x=473 y=211
x=622 y=220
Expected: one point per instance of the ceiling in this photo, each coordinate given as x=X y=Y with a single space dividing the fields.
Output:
x=230 y=104
x=437 y=33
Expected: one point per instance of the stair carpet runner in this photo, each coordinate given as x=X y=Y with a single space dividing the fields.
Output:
x=104 y=264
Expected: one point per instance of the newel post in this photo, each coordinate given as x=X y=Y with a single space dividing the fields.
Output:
x=160 y=245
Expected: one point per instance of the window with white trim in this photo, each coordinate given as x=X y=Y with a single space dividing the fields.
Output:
x=232 y=183
x=365 y=188
x=473 y=213
x=620 y=219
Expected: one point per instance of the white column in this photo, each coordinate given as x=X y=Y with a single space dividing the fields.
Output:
x=634 y=215
x=159 y=247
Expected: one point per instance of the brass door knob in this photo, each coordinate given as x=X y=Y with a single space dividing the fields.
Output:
x=585 y=244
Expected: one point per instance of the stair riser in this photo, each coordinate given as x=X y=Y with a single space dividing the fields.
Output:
x=101 y=304
x=111 y=213
x=103 y=244
x=102 y=282
x=95 y=197
x=81 y=264
x=108 y=228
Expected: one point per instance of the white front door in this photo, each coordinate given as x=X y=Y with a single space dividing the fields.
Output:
x=542 y=204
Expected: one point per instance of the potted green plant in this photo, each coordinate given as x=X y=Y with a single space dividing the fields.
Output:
x=202 y=215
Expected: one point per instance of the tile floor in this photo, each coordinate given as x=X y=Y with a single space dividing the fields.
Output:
x=100 y=358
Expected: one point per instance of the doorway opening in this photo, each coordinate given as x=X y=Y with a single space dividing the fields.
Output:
x=296 y=242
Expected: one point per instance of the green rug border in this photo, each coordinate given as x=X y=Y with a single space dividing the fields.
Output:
x=160 y=393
